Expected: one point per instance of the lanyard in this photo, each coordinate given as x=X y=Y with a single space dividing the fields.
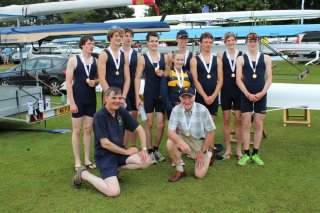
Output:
x=84 y=64
x=208 y=69
x=116 y=63
x=257 y=60
x=232 y=65
x=180 y=78
x=188 y=124
x=150 y=59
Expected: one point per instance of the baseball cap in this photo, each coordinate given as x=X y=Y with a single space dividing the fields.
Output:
x=252 y=36
x=182 y=34
x=187 y=91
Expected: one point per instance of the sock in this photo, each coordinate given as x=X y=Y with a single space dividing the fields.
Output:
x=155 y=148
x=247 y=152
x=179 y=167
x=150 y=150
x=255 y=151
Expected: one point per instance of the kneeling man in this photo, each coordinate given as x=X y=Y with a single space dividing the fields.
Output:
x=109 y=126
x=191 y=132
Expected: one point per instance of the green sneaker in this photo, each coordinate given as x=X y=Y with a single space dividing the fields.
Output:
x=256 y=159
x=243 y=160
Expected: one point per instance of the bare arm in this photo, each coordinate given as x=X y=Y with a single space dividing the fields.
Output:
x=69 y=78
x=239 y=77
x=137 y=79
x=103 y=58
x=193 y=69
x=220 y=79
x=107 y=144
x=268 y=77
x=126 y=85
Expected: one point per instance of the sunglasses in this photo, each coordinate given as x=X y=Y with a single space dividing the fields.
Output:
x=253 y=36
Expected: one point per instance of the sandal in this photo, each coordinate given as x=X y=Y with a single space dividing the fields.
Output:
x=226 y=156
x=91 y=166
x=238 y=156
x=77 y=180
x=76 y=168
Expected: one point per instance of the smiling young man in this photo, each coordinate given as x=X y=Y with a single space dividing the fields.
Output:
x=191 y=132
x=110 y=124
x=153 y=65
x=254 y=77
x=113 y=66
x=81 y=80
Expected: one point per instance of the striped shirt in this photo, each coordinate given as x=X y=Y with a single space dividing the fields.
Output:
x=201 y=121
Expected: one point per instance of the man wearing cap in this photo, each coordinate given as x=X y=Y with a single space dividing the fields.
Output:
x=191 y=132
x=182 y=40
x=254 y=77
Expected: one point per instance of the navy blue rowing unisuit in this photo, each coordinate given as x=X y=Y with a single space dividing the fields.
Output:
x=230 y=92
x=84 y=95
x=132 y=66
x=208 y=84
x=112 y=79
x=254 y=85
x=151 y=93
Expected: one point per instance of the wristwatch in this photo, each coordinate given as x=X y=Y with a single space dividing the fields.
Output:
x=144 y=149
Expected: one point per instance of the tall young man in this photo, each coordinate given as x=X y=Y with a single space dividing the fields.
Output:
x=132 y=56
x=113 y=67
x=81 y=80
x=207 y=73
x=254 y=77
x=152 y=64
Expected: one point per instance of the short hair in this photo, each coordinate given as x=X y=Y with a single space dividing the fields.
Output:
x=154 y=34
x=128 y=30
x=84 y=39
x=177 y=52
x=206 y=35
x=116 y=90
x=112 y=31
x=228 y=35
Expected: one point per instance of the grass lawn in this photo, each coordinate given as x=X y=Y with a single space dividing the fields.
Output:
x=37 y=168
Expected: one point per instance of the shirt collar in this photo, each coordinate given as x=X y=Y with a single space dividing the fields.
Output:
x=192 y=109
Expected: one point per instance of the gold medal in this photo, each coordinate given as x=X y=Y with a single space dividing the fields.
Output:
x=117 y=72
x=88 y=80
x=156 y=69
x=254 y=76
x=208 y=76
x=187 y=134
x=233 y=75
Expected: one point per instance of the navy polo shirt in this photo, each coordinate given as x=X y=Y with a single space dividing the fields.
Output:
x=112 y=128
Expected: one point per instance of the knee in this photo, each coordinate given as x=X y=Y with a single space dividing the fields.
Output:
x=160 y=125
x=112 y=192
x=199 y=175
x=76 y=131
x=145 y=164
x=87 y=129
x=149 y=123
x=170 y=144
x=259 y=125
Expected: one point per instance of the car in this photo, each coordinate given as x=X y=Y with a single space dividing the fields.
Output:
x=51 y=70
x=16 y=56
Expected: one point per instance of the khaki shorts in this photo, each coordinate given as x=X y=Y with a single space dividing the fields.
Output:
x=195 y=145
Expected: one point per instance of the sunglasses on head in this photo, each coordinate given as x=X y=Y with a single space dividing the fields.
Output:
x=253 y=36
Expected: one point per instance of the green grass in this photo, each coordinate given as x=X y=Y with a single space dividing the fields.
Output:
x=37 y=168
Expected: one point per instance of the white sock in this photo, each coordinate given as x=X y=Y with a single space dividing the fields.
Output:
x=179 y=167
x=209 y=155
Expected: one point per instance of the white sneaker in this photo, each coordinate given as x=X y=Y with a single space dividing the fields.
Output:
x=159 y=156
x=152 y=158
x=181 y=162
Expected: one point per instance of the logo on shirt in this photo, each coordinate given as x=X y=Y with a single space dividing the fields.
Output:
x=120 y=121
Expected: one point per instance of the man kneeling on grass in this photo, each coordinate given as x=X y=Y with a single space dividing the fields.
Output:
x=109 y=126
x=191 y=132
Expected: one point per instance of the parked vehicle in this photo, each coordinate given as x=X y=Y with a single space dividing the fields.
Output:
x=49 y=69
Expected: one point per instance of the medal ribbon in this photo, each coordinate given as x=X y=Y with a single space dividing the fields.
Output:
x=150 y=59
x=180 y=78
x=84 y=64
x=250 y=61
x=232 y=65
x=116 y=63
x=208 y=69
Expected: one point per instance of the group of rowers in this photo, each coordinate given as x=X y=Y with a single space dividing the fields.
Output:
x=180 y=86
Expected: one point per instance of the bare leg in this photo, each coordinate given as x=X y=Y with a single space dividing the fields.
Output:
x=76 y=130
x=131 y=135
x=201 y=172
x=259 y=118
x=175 y=154
x=148 y=128
x=238 y=132
x=160 y=128
x=87 y=139
x=135 y=162
x=109 y=186
x=214 y=139
x=246 y=126
x=226 y=131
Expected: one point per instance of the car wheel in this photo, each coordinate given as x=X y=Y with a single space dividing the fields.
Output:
x=54 y=87
x=3 y=83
